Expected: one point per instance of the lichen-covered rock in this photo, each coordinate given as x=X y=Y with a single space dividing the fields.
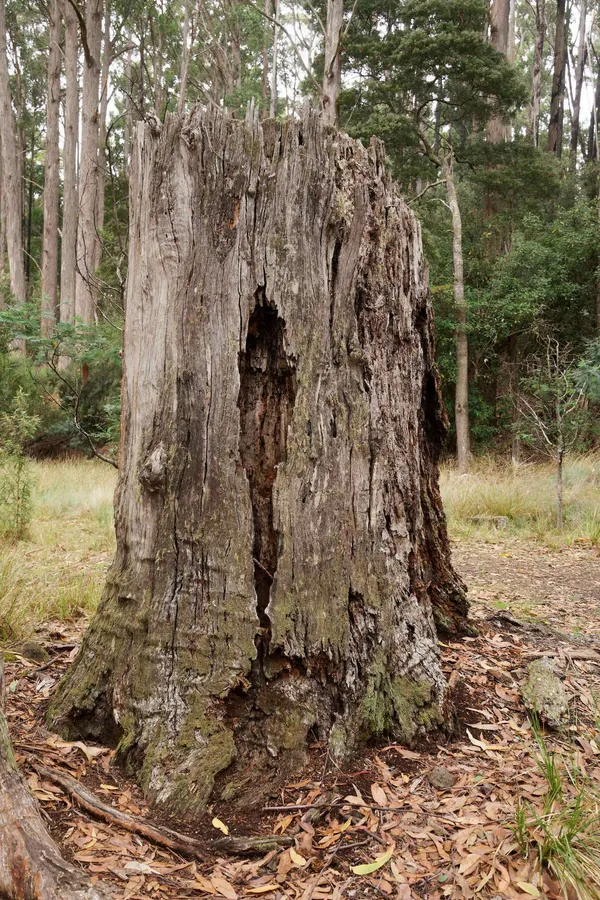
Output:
x=544 y=694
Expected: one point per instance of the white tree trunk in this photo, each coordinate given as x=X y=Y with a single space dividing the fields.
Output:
x=12 y=187
x=185 y=57
x=536 y=75
x=49 y=284
x=332 y=72
x=87 y=238
x=461 y=406
x=68 y=262
x=102 y=160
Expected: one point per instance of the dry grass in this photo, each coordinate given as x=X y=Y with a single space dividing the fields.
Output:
x=58 y=572
x=526 y=496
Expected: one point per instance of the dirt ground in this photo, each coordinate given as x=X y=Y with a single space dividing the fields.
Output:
x=377 y=828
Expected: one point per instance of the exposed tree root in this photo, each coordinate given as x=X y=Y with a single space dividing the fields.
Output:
x=163 y=837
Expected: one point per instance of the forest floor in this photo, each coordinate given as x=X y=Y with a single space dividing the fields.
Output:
x=376 y=828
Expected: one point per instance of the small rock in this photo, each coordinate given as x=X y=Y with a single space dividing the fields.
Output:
x=34 y=651
x=441 y=779
x=544 y=693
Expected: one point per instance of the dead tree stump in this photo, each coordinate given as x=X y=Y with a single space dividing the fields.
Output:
x=282 y=550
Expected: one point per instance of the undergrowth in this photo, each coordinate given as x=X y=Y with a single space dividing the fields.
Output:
x=563 y=835
x=496 y=500
x=57 y=571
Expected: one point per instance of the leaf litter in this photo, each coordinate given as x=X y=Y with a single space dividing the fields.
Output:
x=379 y=829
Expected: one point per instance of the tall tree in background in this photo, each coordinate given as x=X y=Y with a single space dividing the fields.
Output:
x=49 y=285
x=536 y=75
x=578 y=65
x=12 y=192
x=499 y=39
x=87 y=235
x=557 y=100
x=68 y=262
x=332 y=70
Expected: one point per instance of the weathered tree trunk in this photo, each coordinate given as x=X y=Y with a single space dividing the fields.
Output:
x=31 y=867
x=128 y=123
x=332 y=70
x=536 y=75
x=12 y=188
x=461 y=398
x=51 y=176
x=282 y=549
x=87 y=237
x=579 y=73
x=557 y=101
x=68 y=257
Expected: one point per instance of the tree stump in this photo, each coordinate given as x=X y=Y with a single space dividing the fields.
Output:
x=281 y=544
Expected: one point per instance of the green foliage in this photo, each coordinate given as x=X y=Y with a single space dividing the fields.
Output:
x=17 y=426
x=72 y=380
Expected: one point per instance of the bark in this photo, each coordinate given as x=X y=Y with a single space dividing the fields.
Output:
x=332 y=72
x=87 y=238
x=461 y=406
x=536 y=75
x=128 y=123
x=2 y=228
x=281 y=541
x=12 y=188
x=496 y=129
x=68 y=260
x=557 y=101
x=31 y=867
x=579 y=73
x=51 y=177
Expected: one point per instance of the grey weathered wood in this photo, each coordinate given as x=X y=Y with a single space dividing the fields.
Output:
x=281 y=543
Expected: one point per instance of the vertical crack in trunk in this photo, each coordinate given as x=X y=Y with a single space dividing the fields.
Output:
x=266 y=402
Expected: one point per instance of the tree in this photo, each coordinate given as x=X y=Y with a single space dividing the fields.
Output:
x=281 y=542
x=579 y=70
x=68 y=262
x=536 y=75
x=51 y=175
x=87 y=232
x=332 y=68
x=557 y=102
x=552 y=408
x=11 y=181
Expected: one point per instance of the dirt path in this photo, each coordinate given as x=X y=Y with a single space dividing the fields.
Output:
x=561 y=588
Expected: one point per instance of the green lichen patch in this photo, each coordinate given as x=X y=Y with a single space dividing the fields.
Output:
x=398 y=705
